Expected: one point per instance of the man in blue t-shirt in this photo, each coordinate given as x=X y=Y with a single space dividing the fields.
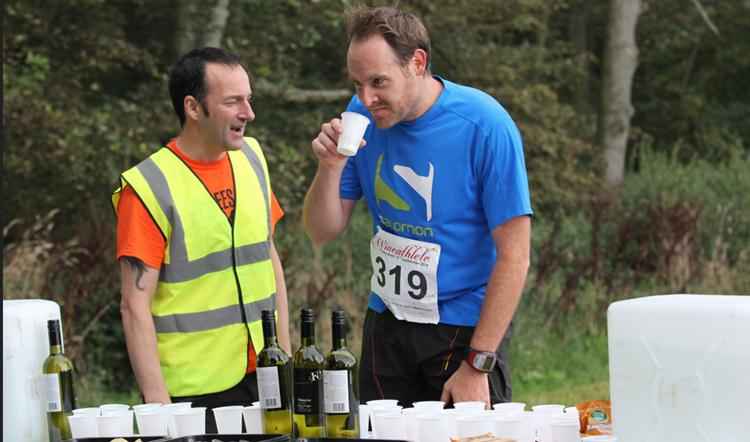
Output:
x=442 y=172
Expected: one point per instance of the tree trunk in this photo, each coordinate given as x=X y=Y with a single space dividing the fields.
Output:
x=215 y=31
x=185 y=34
x=620 y=62
x=578 y=32
x=191 y=30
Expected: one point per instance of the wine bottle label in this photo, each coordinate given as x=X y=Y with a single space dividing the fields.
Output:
x=336 y=391
x=307 y=390
x=269 y=391
x=52 y=388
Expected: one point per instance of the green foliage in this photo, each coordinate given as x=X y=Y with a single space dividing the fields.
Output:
x=687 y=84
x=85 y=98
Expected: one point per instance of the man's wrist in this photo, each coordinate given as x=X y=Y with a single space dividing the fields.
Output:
x=481 y=361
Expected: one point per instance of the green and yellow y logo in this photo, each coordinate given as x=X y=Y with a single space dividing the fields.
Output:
x=421 y=184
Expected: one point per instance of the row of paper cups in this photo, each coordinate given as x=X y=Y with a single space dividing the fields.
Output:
x=430 y=422
x=174 y=420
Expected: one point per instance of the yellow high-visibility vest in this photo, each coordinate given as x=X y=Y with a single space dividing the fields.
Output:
x=217 y=274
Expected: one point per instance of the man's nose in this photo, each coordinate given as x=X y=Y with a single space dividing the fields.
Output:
x=367 y=96
x=247 y=112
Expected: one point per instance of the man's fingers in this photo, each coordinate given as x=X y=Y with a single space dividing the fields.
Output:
x=445 y=396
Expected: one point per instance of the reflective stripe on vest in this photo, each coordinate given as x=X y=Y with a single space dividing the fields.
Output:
x=209 y=263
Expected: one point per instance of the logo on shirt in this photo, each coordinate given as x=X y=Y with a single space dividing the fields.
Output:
x=422 y=185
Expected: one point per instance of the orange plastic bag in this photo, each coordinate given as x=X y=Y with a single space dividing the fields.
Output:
x=595 y=417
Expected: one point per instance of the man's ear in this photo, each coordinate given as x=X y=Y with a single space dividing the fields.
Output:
x=192 y=107
x=420 y=61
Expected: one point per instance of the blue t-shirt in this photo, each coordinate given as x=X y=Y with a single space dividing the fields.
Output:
x=473 y=150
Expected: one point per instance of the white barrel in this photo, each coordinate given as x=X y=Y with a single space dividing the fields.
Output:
x=679 y=368
x=25 y=346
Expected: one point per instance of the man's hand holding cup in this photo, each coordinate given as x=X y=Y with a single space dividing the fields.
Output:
x=340 y=138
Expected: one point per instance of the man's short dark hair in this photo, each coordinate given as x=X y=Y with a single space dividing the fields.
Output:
x=403 y=31
x=188 y=76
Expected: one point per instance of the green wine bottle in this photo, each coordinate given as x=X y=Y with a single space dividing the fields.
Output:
x=309 y=363
x=58 y=377
x=340 y=385
x=274 y=380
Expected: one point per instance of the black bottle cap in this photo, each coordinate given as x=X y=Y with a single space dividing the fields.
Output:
x=307 y=315
x=338 y=317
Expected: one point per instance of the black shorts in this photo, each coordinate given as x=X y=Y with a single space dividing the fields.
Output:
x=411 y=362
x=244 y=393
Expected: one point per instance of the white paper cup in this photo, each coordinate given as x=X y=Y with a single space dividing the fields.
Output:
x=432 y=428
x=364 y=421
x=152 y=423
x=543 y=420
x=390 y=426
x=429 y=405
x=509 y=426
x=450 y=417
x=354 y=126
x=548 y=408
x=83 y=425
x=410 y=420
x=528 y=427
x=190 y=421
x=470 y=406
x=228 y=419
x=89 y=410
x=475 y=425
x=509 y=407
x=115 y=424
x=113 y=409
x=169 y=409
x=253 y=419
x=146 y=407
x=564 y=430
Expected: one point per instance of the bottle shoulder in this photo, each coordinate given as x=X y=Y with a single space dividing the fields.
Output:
x=59 y=362
x=274 y=355
x=340 y=358
x=309 y=353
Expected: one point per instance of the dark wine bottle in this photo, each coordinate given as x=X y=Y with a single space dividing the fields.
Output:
x=58 y=377
x=309 y=362
x=340 y=385
x=274 y=369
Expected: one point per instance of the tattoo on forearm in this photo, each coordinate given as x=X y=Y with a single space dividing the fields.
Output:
x=139 y=267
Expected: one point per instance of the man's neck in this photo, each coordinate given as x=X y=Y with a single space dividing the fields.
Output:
x=192 y=144
x=432 y=88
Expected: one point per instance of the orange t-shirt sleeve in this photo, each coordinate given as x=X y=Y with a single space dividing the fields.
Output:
x=137 y=233
x=276 y=212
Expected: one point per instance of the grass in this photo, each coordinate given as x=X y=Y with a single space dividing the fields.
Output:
x=91 y=391
x=547 y=367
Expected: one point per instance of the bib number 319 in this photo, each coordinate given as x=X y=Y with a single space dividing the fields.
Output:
x=416 y=281
x=404 y=276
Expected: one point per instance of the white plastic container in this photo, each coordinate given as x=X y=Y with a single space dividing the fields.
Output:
x=679 y=368
x=25 y=346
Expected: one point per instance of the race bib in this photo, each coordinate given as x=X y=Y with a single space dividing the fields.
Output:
x=404 y=275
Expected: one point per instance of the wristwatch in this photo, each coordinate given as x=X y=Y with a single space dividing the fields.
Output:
x=483 y=361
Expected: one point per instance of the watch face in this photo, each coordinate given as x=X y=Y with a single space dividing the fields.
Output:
x=480 y=361
x=484 y=361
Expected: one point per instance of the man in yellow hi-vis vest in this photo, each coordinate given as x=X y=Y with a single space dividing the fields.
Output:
x=195 y=225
